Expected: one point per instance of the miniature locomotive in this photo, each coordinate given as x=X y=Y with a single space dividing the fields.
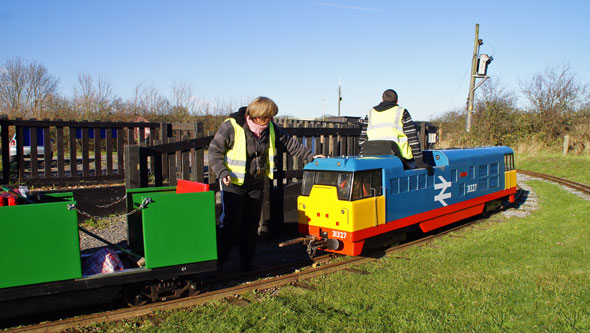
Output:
x=346 y=202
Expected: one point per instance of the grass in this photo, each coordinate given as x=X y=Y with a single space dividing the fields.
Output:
x=505 y=274
x=572 y=167
x=100 y=223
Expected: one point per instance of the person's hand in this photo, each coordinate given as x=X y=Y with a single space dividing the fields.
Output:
x=318 y=156
x=226 y=180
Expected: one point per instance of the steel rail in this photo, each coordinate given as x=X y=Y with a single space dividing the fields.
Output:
x=320 y=265
x=571 y=184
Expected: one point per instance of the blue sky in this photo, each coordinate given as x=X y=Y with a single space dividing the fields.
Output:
x=296 y=52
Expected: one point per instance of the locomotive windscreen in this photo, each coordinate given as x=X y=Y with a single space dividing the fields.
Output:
x=366 y=183
x=341 y=180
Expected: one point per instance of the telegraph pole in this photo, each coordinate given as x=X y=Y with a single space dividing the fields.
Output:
x=339 y=96
x=476 y=45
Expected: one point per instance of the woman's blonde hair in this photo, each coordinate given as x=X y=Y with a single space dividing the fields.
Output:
x=262 y=107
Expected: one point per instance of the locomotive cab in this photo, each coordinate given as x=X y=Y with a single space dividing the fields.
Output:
x=335 y=206
x=349 y=186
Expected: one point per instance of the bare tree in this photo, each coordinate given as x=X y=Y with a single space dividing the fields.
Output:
x=25 y=89
x=93 y=100
x=84 y=96
x=134 y=104
x=12 y=87
x=494 y=119
x=105 y=97
x=182 y=96
x=493 y=91
x=551 y=95
x=152 y=102
x=225 y=106
x=213 y=113
x=183 y=102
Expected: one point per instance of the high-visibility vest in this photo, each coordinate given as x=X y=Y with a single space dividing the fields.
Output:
x=388 y=125
x=235 y=158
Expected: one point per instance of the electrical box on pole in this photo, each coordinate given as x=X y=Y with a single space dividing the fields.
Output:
x=482 y=64
x=479 y=69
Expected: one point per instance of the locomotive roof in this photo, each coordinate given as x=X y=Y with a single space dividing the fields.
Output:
x=461 y=153
x=357 y=163
x=354 y=163
x=469 y=155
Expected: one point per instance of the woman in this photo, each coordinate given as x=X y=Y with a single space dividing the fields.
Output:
x=242 y=154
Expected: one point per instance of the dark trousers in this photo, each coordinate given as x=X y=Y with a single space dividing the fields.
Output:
x=239 y=224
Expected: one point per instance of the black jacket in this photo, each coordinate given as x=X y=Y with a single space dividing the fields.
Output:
x=257 y=151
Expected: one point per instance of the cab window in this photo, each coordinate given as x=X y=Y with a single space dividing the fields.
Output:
x=341 y=180
x=349 y=186
x=366 y=184
x=508 y=162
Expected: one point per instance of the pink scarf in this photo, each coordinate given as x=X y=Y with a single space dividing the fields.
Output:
x=255 y=128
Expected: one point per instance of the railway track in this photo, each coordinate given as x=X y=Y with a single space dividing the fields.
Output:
x=320 y=265
x=562 y=181
x=304 y=270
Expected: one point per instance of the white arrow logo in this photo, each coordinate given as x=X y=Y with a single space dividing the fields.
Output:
x=442 y=195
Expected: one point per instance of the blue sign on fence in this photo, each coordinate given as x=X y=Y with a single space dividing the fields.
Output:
x=103 y=133
x=27 y=136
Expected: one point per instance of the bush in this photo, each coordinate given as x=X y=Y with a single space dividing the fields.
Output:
x=580 y=132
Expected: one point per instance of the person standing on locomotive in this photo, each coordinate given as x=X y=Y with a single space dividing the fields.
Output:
x=241 y=154
x=391 y=122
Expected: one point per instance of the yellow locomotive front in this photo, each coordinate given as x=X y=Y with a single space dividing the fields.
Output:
x=338 y=209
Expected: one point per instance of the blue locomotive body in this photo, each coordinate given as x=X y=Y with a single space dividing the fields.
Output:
x=371 y=195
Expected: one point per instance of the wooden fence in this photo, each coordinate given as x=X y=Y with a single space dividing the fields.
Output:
x=158 y=165
x=154 y=154
x=55 y=152
x=162 y=164
x=94 y=152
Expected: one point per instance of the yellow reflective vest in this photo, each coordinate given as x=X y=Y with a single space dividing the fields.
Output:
x=388 y=125
x=235 y=158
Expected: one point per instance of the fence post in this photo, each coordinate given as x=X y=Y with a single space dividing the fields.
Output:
x=47 y=158
x=566 y=144
x=74 y=153
x=59 y=137
x=185 y=161
x=85 y=152
x=165 y=130
x=198 y=155
x=423 y=136
x=97 y=153
x=199 y=130
x=143 y=165
x=132 y=178
x=34 y=142
x=5 y=150
x=171 y=162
